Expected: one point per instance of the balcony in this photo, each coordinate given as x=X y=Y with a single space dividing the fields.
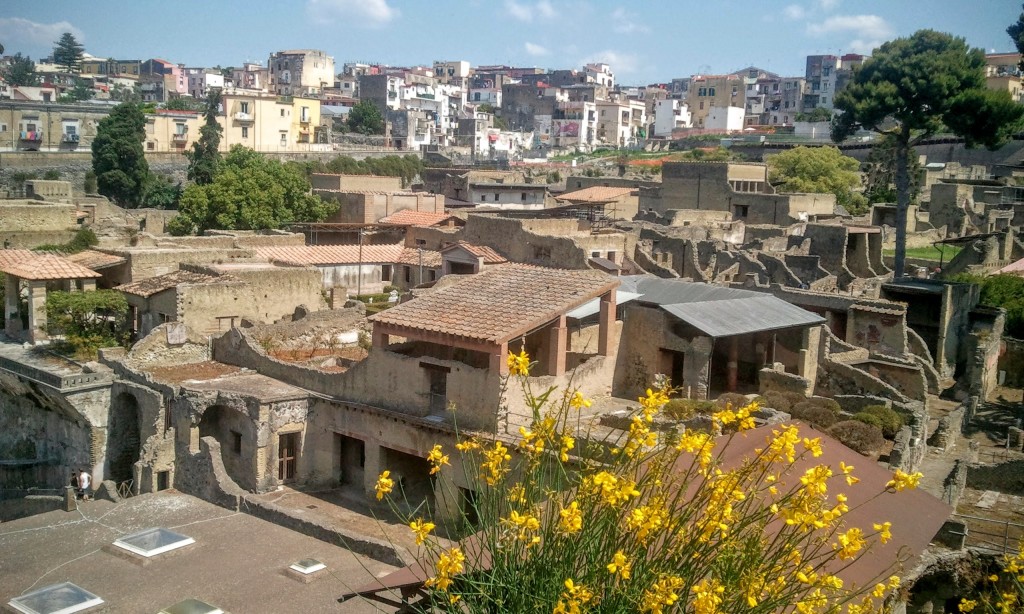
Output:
x=179 y=138
x=31 y=135
x=69 y=138
x=244 y=117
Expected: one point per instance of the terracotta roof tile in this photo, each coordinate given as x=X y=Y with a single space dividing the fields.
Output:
x=1017 y=268
x=332 y=254
x=408 y=217
x=411 y=256
x=47 y=266
x=597 y=194
x=93 y=259
x=489 y=255
x=499 y=304
x=148 y=287
x=12 y=256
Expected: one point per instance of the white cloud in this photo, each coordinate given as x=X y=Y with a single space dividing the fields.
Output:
x=625 y=24
x=369 y=13
x=828 y=5
x=535 y=49
x=24 y=35
x=865 y=32
x=794 y=12
x=620 y=62
x=525 y=12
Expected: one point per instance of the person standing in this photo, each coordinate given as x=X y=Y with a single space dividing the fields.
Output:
x=85 y=484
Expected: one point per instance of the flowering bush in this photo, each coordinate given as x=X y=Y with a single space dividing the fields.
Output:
x=650 y=521
x=1004 y=592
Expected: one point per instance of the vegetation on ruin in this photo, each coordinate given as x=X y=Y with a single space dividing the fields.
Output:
x=856 y=435
x=1005 y=291
x=84 y=322
x=652 y=522
x=1002 y=591
x=408 y=167
x=84 y=239
x=249 y=192
x=118 y=158
x=888 y=419
x=913 y=87
x=945 y=253
x=822 y=170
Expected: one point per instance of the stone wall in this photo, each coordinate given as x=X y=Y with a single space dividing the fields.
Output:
x=36 y=216
x=1011 y=362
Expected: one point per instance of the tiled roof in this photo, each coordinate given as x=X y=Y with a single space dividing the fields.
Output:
x=1017 y=268
x=411 y=256
x=499 y=304
x=480 y=251
x=597 y=194
x=331 y=254
x=149 y=287
x=47 y=266
x=408 y=217
x=12 y=256
x=93 y=259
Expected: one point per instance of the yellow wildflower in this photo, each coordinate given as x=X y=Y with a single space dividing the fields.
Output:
x=570 y=519
x=519 y=364
x=850 y=543
x=968 y=605
x=468 y=445
x=573 y=598
x=494 y=466
x=517 y=494
x=527 y=524
x=903 y=481
x=847 y=471
x=384 y=485
x=577 y=401
x=437 y=458
x=663 y=594
x=568 y=443
x=613 y=489
x=813 y=446
x=449 y=564
x=884 y=531
x=620 y=565
x=421 y=529
x=707 y=596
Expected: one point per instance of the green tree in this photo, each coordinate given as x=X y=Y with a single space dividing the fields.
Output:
x=181 y=103
x=913 y=87
x=818 y=170
x=89 y=185
x=366 y=118
x=881 y=170
x=21 y=71
x=117 y=155
x=1016 y=32
x=79 y=92
x=205 y=155
x=87 y=320
x=816 y=115
x=160 y=192
x=125 y=93
x=249 y=192
x=67 y=53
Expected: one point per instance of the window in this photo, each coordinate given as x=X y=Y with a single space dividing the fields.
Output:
x=284 y=139
x=282 y=112
x=483 y=198
x=245 y=132
x=236 y=442
x=742 y=210
x=244 y=107
x=522 y=197
x=150 y=145
x=407 y=273
x=711 y=91
x=496 y=195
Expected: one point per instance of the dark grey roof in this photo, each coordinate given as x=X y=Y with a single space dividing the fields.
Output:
x=718 y=311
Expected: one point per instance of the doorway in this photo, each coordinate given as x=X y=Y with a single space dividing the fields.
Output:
x=287 y=456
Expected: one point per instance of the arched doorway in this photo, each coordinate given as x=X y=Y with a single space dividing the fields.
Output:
x=232 y=431
x=124 y=442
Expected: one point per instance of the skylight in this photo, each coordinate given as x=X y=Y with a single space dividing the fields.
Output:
x=192 y=606
x=151 y=542
x=308 y=566
x=63 y=598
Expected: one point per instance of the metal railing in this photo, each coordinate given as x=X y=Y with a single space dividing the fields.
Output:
x=999 y=536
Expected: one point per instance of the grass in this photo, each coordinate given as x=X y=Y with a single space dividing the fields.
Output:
x=928 y=253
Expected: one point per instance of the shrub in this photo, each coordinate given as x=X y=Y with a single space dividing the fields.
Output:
x=867 y=418
x=889 y=420
x=51 y=175
x=684 y=409
x=829 y=404
x=781 y=401
x=864 y=438
x=814 y=414
x=87 y=320
x=732 y=399
x=568 y=526
x=89 y=184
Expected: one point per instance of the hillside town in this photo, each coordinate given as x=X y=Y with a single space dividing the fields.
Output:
x=313 y=334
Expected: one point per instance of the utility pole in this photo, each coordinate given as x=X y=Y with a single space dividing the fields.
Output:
x=359 y=269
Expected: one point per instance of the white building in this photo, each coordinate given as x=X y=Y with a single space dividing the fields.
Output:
x=600 y=74
x=200 y=80
x=670 y=115
x=485 y=95
x=621 y=123
x=725 y=119
x=451 y=72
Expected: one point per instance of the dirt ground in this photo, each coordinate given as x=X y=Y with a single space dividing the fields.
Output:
x=194 y=371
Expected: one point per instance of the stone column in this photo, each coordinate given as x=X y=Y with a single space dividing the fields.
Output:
x=732 y=366
x=372 y=467
x=499 y=360
x=380 y=339
x=607 y=319
x=12 y=322
x=36 y=311
x=809 y=348
x=89 y=284
x=556 y=347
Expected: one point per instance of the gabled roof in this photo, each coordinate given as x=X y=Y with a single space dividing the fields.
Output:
x=150 y=286
x=95 y=260
x=414 y=256
x=1014 y=268
x=499 y=304
x=408 y=217
x=718 y=311
x=597 y=194
x=42 y=267
x=489 y=255
x=12 y=256
x=332 y=254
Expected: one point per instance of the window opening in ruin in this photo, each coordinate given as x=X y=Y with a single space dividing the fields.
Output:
x=226 y=322
x=236 y=442
x=350 y=455
x=123 y=439
x=163 y=480
x=287 y=455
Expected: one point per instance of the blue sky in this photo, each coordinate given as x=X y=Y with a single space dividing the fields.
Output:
x=645 y=41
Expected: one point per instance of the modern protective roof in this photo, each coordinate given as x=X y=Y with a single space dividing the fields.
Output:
x=332 y=254
x=498 y=304
x=597 y=194
x=408 y=217
x=1015 y=268
x=43 y=267
x=718 y=311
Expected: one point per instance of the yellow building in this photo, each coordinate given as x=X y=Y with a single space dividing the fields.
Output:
x=172 y=131
x=269 y=123
x=708 y=91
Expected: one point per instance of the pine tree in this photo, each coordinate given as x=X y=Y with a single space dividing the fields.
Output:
x=118 y=158
x=204 y=159
x=67 y=53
